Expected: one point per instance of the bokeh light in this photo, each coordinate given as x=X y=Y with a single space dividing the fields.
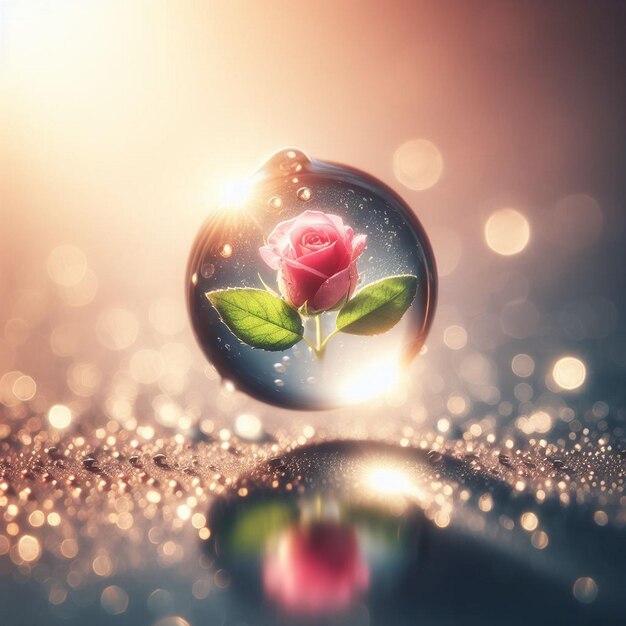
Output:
x=507 y=232
x=569 y=373
x=418 y=164
x=59 y=416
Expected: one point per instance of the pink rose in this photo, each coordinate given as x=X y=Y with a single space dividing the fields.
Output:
x=315 y=255
x=315 y=569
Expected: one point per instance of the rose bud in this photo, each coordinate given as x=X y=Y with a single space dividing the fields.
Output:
x=315 y=569
x=315 y=255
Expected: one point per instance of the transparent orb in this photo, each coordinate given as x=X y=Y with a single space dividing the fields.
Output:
x=312 y=286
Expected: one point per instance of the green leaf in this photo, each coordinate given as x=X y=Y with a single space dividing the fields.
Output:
x=258 y=318
x=378 y=307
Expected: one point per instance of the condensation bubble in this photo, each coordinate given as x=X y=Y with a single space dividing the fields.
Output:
x=226 y=251
x=418 y=164
x=304 y=194
x=275 y=203
x=207 y=270
x=507 y=232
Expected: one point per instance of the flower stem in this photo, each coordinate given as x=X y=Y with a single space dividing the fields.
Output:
x=328 y=338
x=318 y=335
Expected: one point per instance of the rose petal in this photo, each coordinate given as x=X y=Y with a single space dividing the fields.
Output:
x=298 y=283
x=336 y=221
x=332 y=291
x=269 y=255
x=358 y=245
x=328 y=260
x=299 y=232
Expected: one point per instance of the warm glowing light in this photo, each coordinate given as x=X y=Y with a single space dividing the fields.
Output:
x=372 y=381
x=418 y=164
x=507 y=232
x=529 y=521
x=248 y=426
x=235 y=192
x=537 y=422
x=569 y=373
x=389 y=481
x=59 y=416
x=28 y=548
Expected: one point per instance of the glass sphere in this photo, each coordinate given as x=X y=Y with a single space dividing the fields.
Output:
x=312 y=286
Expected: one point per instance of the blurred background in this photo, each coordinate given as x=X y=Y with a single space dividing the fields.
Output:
x=501 y=123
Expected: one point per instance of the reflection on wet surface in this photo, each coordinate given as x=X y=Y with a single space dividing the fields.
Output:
x=338 y=532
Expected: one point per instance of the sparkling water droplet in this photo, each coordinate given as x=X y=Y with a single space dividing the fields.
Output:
x=275 y=203
x=280 y=368
x=226 y=251
x=279 y=382
x=276 y=462
x=160 y=460
x=304 y=194
x=91 y=465
x=135 y=461
x=435 y=457
x=207 y=270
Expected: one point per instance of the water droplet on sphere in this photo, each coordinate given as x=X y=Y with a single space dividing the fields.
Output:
x=435 y=457
x=304 y=194
x=207 y=270
x=226 y=251
x=275 y=202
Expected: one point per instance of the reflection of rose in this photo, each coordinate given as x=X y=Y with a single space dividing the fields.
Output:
x=315 y=255
x=315 y=569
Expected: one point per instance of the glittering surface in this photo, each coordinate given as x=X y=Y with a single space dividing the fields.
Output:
x=486 y=486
